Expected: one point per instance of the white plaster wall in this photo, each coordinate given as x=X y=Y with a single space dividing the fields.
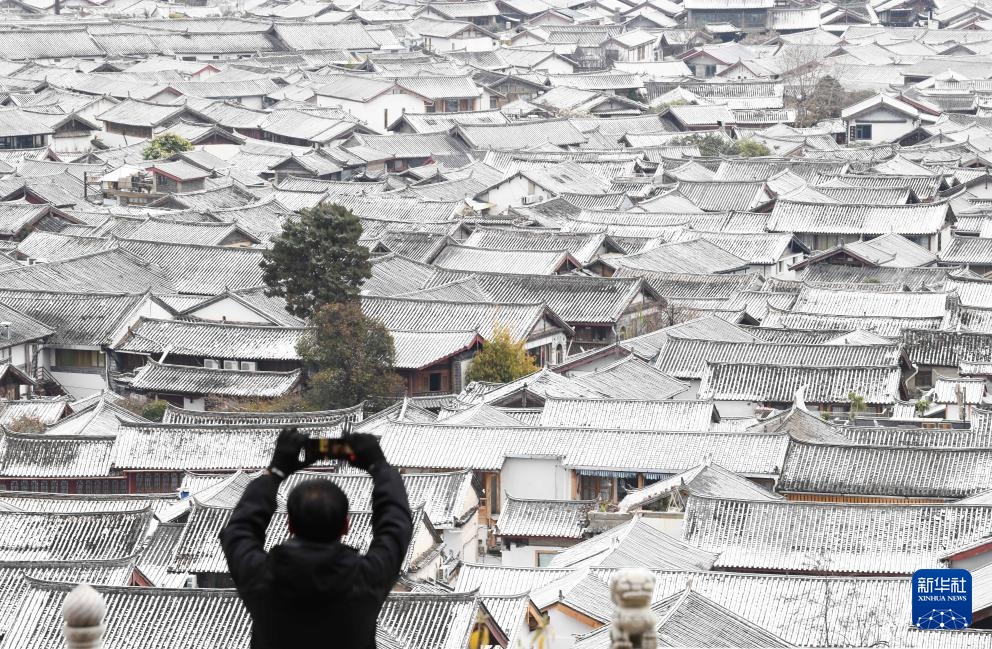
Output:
x=564 y=630
x=886 y=125
x=229 y=310
x=693 y=391
x=99 y=106
x=478 y=44
x=194 y=404
x=252 y=102
x=147 y=308
x=525 y=556
x=735 y=408
x=973 y=563
x=20 y=354
x=464 y=540
x=542 y=478
x=78 y=144
x=555 y=65
x=428 y=571
x=521 y=556
x=699 y=63
x=81 y=385
x=981 y=190
x=740 y=73
x=668 y=523
x=512 y=192
x=438 y=44
x=381 y=111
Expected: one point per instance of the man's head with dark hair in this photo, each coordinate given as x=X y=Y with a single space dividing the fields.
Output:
x=318 y=511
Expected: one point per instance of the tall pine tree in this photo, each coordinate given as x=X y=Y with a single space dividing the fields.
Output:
x=317 y=260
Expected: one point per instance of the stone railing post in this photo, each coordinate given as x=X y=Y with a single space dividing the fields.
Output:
x=84 y=611
x=634 y=623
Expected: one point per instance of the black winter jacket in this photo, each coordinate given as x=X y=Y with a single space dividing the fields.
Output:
x=304 y=595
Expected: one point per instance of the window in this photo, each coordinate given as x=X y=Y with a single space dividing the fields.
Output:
x=78 y=358
x=861 y=132
x=595 y=488
x=249 y=366
x=451 y=105
x=230 y=365
x=754 y=19
x=492 y=493
x=924 y=378
x=211 y=364
x=429 y=107
x=707 y=70
x=493 y=102
x=542 y=558
x=435 y=382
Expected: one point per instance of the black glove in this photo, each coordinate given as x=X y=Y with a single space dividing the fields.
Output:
x=365 y=450
x=286 y=458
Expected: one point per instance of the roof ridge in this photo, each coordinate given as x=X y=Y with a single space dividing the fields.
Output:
x=6 y=432
x=521 y=305
x=237 y=249
x=151 y=362
x=211 y=323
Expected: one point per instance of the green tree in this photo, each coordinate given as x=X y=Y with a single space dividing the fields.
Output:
x=751 y=148
x=350 y=358
x=165 y=145
x=710 y=145
x=154 y=410
x=857 y=403
x=316 y=260
x=663 y=107
x=501 y=360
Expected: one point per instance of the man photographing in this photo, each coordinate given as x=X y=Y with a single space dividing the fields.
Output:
x=312 y=590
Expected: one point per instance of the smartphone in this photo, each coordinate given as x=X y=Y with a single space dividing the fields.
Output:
x=322 y=447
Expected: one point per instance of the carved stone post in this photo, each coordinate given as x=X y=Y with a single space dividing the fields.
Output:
x=84 y=611
x=634 y=624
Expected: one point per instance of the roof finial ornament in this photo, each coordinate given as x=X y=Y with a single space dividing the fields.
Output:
x=84 y=610
x=634 y=623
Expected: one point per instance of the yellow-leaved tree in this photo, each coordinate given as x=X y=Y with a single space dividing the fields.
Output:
x=501 y=359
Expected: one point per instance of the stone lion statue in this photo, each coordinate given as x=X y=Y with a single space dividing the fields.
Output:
x=634 y=624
